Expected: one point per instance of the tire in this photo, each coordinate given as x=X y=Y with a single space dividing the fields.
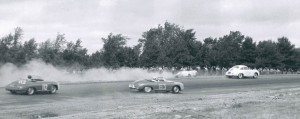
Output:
x=147 y=89
x=255 y=75
x=240 y=76
x=53 y=89
x=176 y=89
x=189 y=75
x=30 y=91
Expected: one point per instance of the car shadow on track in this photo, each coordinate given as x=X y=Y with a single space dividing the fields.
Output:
x=36 y=93
x=153 y=92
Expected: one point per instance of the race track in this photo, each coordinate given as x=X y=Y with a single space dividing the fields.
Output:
x=73 y=99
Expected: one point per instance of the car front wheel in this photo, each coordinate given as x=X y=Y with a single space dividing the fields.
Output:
x=30 y=91
x=147 y=89
x=176 y=89
x=53 y=89
x=255 y=75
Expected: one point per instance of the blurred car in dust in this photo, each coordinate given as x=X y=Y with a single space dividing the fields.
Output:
x=156 y=84
x=32 y=85
x=191 y=73
x=242 y=71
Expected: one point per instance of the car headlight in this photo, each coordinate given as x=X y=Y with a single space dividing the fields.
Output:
x=130 y=85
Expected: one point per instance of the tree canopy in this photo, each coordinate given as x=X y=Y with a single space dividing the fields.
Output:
x=168 y=45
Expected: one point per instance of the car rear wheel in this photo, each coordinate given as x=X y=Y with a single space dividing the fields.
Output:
x=240 y=76
x=255 y=75
x=30 y=91
x=176 y=89
x=53 y=89
x=147 y=89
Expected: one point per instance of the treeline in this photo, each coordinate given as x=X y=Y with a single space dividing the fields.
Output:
x=166 y=46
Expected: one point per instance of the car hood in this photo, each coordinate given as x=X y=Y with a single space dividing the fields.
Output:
x=147 y=81
x=141 y=81
x=21 y=82
x=16 y=83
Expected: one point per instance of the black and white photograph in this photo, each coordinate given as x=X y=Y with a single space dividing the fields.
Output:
x=149 y=59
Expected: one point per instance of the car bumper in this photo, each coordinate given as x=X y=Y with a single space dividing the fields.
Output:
x=134 y=87
x=17 y=90
x=181 y=87
x=230 y=75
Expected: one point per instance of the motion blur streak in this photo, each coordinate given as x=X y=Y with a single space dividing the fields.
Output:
x=9 y=72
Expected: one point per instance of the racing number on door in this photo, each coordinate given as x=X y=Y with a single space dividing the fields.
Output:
x=44 y=87
x=162 y=87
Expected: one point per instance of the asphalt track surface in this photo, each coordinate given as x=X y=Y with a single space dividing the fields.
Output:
x=111 y=89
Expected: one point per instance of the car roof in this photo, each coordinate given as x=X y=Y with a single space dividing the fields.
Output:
x=239 y=66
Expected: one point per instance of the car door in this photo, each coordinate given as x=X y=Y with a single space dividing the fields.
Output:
x=162 y=85
x=243 y=71
x=41 y=86
x=246 y=71
x=35 y=84
x=154 y=85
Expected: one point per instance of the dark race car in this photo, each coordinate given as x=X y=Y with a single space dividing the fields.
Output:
x=157 y=84
x=32 y=85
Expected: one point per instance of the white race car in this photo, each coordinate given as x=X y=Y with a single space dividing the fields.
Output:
x=241 y=71
x=186 y=73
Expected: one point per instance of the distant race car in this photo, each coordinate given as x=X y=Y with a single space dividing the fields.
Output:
x=241 y=71
x=31 y=85
x=186 y=73
x=156 y=84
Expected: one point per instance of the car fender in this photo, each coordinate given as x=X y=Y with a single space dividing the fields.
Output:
x=181 y=86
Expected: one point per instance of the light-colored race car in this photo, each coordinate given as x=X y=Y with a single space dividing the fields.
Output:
x=241 y=71
x=186 y=73
x=156 y=84
x=32 y=85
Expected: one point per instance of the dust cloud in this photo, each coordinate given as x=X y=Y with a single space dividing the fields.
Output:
x=9 y=73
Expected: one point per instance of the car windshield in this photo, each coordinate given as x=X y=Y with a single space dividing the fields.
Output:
x=244 y=68
x=151 y=80
x=236 y=67
x=37 y=79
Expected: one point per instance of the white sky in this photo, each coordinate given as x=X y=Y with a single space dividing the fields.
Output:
x=89 y=20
